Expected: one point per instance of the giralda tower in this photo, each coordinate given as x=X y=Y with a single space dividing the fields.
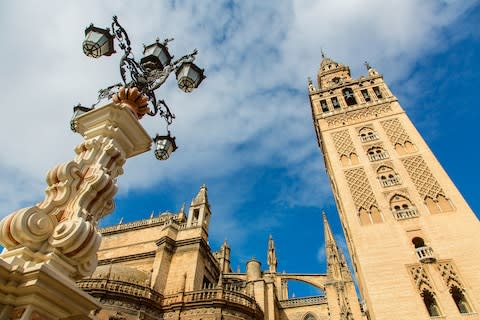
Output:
x=413 y=239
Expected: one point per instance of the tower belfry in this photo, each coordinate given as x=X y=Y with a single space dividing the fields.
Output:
x=412 y=237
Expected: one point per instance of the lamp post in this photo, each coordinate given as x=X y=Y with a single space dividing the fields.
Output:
x=51 y=244
x=142 y=77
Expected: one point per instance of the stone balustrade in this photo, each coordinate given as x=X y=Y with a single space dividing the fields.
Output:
x=425 y=254
x=369 y=137
x=378 y=156
x=118 y=286
x=388 y=182
x=304 y=301
x=162 y=220
x=229 y=294
x=405 y=213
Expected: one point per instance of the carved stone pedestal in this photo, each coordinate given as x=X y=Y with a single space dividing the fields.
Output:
x=49 y=245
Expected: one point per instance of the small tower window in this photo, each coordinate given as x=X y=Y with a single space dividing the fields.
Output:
x=365 y=95
x=349 y=96
x=377 y=153
x=324 y=105
x=378 y=93
x=387 y=176
x=402 y=208
x=367 y=134
x=335 y=103
x=460 y=300
x=196 y=214
x=430 y=303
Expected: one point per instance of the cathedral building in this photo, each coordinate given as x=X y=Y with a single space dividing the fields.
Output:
x=163 y=268
x=412 y=237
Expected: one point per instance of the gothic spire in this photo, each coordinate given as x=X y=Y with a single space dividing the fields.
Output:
x=272 y=256
x=336 y=264
x=201 y=197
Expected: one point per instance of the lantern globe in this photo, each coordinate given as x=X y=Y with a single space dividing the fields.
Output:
x=156 y=56
x=98 y=42
x=164 y=146
x=189 y=76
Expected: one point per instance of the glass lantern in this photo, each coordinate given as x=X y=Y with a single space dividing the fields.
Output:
x=164 y=146
x=98 y=42
x=77 y=111
x=189 y=76
x=155 y=56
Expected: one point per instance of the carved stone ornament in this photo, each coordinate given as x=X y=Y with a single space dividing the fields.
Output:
x=79 y=192
x=133 y=99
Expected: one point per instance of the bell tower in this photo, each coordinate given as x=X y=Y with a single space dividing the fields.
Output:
x=412 y=237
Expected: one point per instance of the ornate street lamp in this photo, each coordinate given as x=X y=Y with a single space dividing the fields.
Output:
x=98 y=42
x=164 y=146
x=141 y=79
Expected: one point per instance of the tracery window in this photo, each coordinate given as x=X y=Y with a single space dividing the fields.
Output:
x=460 y=300
x=430 y=303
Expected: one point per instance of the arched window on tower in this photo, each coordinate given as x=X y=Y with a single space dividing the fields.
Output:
x=349 y=97
x=402 y=208
x=405 y=148
x=367 y=134
x=348 y=160
x=387 y=176
x=377 y=153
x=430 y=303
x=309 y=316
x=460 y=300
x=439 y=204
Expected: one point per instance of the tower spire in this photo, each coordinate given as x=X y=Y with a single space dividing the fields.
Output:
x=199 y=212
x=336 y=264
x=272 y=256
x=201 y=197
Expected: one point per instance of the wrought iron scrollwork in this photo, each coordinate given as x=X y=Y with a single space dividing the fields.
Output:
x=143 y=76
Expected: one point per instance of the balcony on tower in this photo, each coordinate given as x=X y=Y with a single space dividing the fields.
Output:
x=390 y=180
x=367 y=134
x=405 y=213
x=376 y=154
x=424 y=253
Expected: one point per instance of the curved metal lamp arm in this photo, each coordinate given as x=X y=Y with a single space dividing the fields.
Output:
x=121 y=35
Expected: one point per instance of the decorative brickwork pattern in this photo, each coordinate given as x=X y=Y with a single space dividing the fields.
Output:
x=422 y=177
x=395 y=132
x=357 y=116
x=360 y=188
x=449 y=274
x=343 y=143
x=420 y=277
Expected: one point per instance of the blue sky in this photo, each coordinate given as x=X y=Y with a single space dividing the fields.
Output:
x=247 y=131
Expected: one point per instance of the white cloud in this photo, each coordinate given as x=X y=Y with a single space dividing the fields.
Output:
x=251 y=111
